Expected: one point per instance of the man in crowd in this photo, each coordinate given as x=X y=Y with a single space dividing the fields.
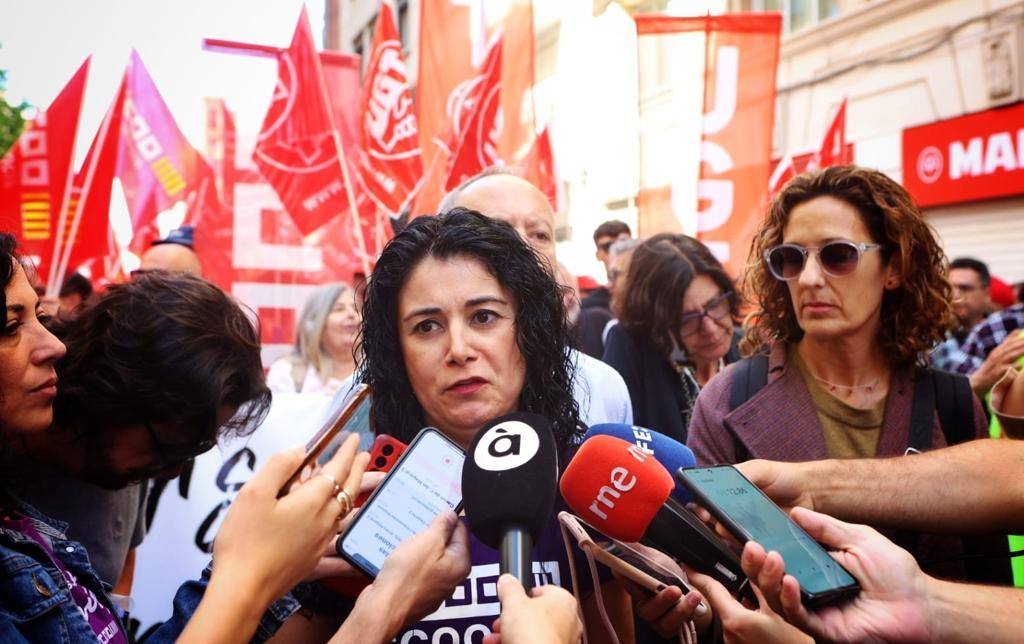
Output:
x=155 y=371
x=992 y=346
x=175 y=253
x=604 y=236
x=499 y=193
x=76 y=290
x=971 y=303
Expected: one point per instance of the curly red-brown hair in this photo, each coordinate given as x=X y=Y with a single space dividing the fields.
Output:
x=915 y=316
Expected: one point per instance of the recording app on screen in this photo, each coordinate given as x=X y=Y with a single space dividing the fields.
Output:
x=747 y=507
x=426 y=482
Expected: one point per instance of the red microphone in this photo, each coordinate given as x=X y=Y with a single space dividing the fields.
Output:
x=625 y=493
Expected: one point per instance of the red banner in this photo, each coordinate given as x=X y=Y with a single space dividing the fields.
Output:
x=390 y=163
x=157 y=165
x=478 y=135
x=540 y=168
x=740 y=59
x=298 y=147
x=973 y=157
x=36 y=175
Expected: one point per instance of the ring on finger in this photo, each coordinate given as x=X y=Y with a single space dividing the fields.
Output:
x=334 y=481
x=345 y=499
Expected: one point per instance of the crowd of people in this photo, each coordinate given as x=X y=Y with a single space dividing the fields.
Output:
x=851 y=374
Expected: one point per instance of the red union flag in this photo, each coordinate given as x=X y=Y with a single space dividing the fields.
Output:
x=297 y=148
x=540 y=168
x=736 y=88
x=390 y=162
x=157 y=165
x=833 y=149
x=476 y=137
x=35 y=176
x=87 y=238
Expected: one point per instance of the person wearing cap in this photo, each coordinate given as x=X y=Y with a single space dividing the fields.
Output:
x=175 y=253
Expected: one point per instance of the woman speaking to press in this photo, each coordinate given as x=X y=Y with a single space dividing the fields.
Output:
x=462 y=323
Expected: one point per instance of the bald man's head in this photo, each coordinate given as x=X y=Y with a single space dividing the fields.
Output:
x=515 y=201
x=171 y=257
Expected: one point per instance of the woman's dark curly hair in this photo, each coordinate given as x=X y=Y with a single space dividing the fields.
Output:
x=542 y=334
x=660 y=272
x=8 y=265
x=915 y=315
x=164 y=348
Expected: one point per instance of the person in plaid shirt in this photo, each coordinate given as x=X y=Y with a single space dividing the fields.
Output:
x=991 y=347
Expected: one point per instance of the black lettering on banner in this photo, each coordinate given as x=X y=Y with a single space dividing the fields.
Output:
x=513 y=444
x=225 y=469
x=482 y=597
x=465 y=598
x=201 y=541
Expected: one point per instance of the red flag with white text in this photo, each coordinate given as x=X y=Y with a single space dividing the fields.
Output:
x=157 y=165
x=390 y=163
x=36 y=174
x=476 y=147
x=297 y=148
x=731 y=160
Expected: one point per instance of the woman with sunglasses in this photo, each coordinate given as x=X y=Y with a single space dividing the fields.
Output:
x=851 y=291
x=675 y=330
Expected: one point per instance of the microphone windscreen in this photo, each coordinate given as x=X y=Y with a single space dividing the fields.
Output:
x=510 y=477
x=670 y=453
x=615 y=487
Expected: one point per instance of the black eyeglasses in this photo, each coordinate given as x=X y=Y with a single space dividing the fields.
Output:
x=716 y=309
x=170 y=456
x=837 y=258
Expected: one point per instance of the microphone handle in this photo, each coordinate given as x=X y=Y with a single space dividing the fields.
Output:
x=678 y=532
x=516 y=544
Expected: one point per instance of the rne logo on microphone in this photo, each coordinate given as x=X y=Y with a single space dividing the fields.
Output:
x=506 y=446
x=621 y=481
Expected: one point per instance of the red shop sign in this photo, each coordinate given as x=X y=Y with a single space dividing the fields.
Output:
x=978 y=156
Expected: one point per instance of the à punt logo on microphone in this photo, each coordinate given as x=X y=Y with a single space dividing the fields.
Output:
x=506 y=446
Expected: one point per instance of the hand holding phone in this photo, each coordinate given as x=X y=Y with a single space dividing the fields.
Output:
x=426 y=481
x=748 y=515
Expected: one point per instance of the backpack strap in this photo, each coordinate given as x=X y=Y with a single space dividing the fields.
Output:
x=922 y=410
x=749 y=377
x=954 y=400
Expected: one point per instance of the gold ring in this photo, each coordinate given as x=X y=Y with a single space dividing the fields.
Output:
x=333 y=481
x=345 y=499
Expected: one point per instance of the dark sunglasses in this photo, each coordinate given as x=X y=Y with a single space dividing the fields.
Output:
x=837 y=258
x=716 y=309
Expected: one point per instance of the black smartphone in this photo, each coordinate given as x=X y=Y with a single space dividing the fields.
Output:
x=426 y=481
x=750 y=515
x=350 y=415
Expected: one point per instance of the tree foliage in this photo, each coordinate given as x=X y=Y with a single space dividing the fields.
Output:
x=12 y=119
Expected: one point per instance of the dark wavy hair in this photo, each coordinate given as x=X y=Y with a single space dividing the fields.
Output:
x=542 y=334
x=915 y=315
x=8 y=262
x=164 y=348
x=660 y=272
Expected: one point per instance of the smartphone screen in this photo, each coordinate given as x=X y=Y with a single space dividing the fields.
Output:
x=426 y=481
x=356 y=421
x=743 y=508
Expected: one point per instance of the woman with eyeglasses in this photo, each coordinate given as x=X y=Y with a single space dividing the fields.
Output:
x=675 y=330
x=851 y=292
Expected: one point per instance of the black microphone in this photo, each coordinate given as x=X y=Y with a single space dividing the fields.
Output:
x=508 y=488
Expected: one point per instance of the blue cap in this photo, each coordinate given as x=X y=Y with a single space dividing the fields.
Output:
x=670 y=453
x=183 y=236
